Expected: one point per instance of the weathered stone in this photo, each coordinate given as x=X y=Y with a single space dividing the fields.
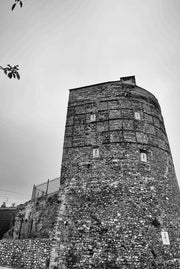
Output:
x=116 y=205
x=35 y=218
x=25 y=253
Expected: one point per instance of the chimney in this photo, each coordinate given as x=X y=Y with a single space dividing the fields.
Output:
x=131 y=80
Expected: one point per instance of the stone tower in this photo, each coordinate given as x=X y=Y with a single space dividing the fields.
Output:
x=119 y=201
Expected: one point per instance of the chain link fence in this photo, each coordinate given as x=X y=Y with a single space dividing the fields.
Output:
x=50 y=186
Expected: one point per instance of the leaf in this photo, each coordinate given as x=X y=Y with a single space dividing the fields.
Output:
x=13 y=6
x=10 y=75
x=21 y=3
x=18 y=76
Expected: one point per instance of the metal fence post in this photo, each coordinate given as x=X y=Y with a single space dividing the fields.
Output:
x=33 y=192
x=47 y=187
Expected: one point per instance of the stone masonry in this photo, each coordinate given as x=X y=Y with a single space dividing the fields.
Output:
x=25 y=253
x=35 y=218
x=119 y=200
x=28 y=242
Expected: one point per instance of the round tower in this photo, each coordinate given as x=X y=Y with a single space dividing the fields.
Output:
x=119 y=196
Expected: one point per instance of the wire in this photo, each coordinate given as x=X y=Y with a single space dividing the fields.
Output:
x=13 y=192
x=12 y=196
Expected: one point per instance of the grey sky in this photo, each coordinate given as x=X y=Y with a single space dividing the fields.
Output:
x=62 y=44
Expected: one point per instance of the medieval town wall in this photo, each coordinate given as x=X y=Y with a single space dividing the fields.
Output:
x=35 y=218
x=28 y=242
x=119 y=196
x=25 y=253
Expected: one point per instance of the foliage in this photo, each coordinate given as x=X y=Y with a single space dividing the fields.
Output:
x=3 y=205
x=11 y=71
x=15 y=3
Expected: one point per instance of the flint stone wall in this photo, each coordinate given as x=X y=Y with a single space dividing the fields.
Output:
x=35 y=218
x=114 y=207
x=25 y=253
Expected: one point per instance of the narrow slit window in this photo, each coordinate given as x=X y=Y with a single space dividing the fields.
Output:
x=137 y=115
x=144 y=157
x=93 y=117
x=95 y=153
x=165 y=238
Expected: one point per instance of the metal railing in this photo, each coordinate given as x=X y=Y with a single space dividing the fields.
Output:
x=50 y=186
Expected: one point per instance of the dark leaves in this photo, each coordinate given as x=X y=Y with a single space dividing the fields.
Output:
x=11 y=71
x=10 y=75
x=20 y=2
x=18 y=76
x=13 y=6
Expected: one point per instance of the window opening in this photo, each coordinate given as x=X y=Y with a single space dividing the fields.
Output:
x=165 y=238
x=137 y=115
x=93 y=117
x=143 y=156
x=95 y=153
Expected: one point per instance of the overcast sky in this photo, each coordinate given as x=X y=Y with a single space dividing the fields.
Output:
x=63 y=44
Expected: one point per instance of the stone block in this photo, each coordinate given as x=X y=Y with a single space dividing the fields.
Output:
x=115 y=124
x=141 y=138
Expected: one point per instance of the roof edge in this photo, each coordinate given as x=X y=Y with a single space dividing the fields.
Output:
x=92 y=85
